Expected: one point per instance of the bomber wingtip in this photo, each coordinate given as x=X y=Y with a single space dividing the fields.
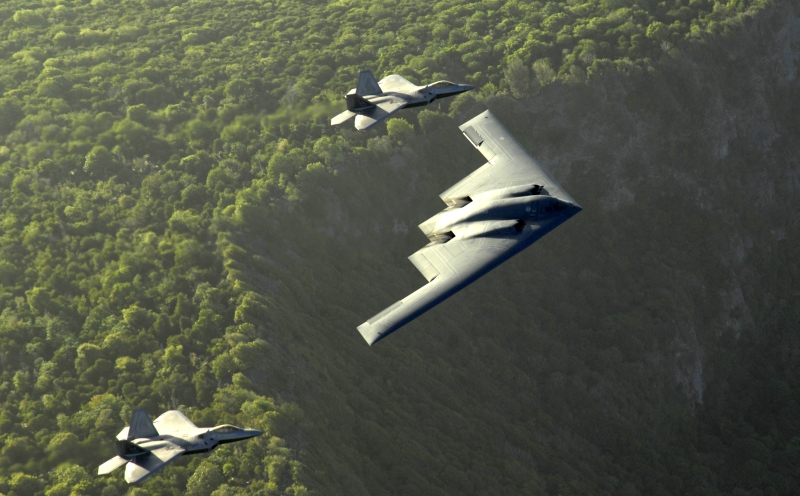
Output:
x=363 y=329
x=369 y=335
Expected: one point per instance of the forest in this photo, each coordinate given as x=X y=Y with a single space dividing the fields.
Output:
x=180 y=227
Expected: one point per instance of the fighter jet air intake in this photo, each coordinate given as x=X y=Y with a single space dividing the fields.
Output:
x=147 y=446
x=371 y=102
x=492 y=214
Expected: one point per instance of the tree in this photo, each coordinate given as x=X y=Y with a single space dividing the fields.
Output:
x=400 y=130
x=10 y=114
x=28 y=17
x=99 y=162
x=544 y=73
x=519 y=77
x=658 y=31
x=205 y=479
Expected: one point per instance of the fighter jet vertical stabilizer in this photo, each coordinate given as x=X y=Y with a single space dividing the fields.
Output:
x=141 y=425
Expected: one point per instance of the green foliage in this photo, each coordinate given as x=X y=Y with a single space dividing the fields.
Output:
x=544 y=73
x=205 y=479
x=399 y=130
x=27 y=17
x=518 y=77
x=180 y=229
x=10 y=114
x=99 y=162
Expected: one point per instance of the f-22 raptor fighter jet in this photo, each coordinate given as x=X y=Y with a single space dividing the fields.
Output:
x=491 y=215
x=147 y=446
x=371 y=102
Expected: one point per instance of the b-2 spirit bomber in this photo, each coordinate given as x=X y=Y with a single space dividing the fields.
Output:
x=148 y=446
x=494 y=213
x=373 y=101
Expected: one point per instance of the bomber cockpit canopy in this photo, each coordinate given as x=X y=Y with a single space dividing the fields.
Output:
x=225 y=429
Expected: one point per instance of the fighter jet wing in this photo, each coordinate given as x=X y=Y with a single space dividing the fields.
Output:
x=398 y=84
x=143 y=466
x=509 y=164
x=172 y=422
x=384 y=107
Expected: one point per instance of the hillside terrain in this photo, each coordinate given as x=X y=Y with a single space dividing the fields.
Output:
x=180 y=227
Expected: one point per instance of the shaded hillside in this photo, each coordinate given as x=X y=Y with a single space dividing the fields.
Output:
x=647 y=346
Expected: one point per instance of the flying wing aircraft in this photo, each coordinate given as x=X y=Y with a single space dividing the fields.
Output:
x=147 y=447
x=492 y=214
x=373 y=101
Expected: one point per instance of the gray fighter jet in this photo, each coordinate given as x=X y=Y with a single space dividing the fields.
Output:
x=491 y=215
x=373 y=101
x=147 y=446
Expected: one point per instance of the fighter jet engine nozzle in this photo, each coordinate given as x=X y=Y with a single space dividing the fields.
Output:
x=127 y=449
x=357 y=103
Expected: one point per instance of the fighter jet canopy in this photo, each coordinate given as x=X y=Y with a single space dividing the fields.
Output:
x=225 y=429
x=441 y=84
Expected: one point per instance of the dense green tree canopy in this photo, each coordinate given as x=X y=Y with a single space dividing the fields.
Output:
x=172 y=213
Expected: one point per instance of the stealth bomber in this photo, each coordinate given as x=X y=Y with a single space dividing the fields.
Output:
x=373 y=101
x=494 y=213
x=147 y=446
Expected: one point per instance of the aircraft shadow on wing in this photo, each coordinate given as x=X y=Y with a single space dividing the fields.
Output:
x=494 y=213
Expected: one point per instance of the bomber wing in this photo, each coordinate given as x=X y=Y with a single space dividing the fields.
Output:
x=384 y=107
x=509 y=164
x=143 y=466
x=477 y=247
x=451 y=266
